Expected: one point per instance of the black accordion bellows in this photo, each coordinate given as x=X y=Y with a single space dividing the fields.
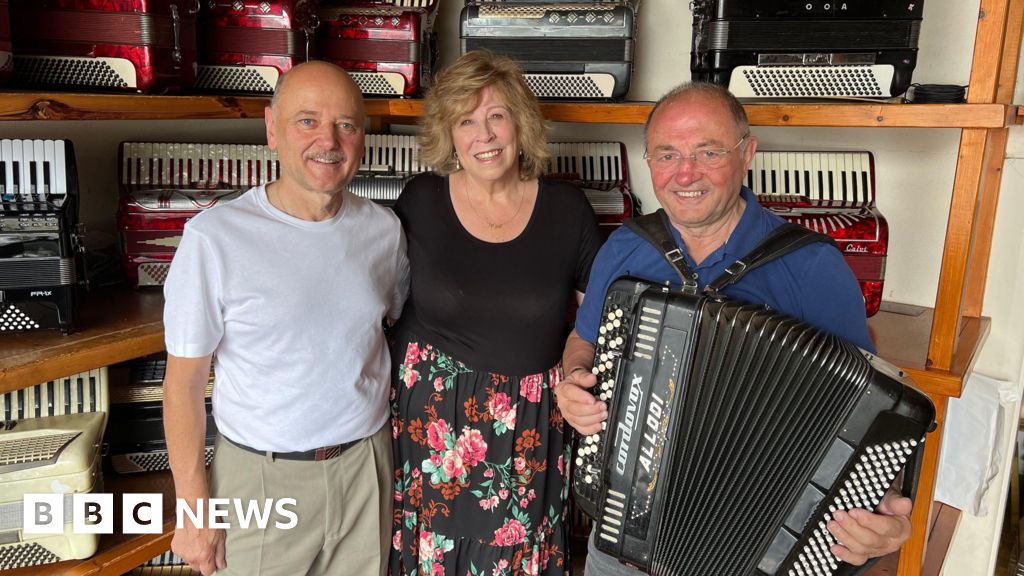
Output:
x=734 y=430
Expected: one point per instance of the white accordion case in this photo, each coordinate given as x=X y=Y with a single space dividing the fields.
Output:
x=50 y=443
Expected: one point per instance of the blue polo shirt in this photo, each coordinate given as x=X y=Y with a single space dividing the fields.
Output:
x=813 y=284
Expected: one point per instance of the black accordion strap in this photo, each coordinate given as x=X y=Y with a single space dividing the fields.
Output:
x=781 y=241
x=654 y=228
x=785 y=239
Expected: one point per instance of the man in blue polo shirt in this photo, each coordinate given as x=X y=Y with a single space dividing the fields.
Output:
x=698 y=149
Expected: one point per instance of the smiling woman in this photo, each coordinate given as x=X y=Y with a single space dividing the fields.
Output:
x=496 y=254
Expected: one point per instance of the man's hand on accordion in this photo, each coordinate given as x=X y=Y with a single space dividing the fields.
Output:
x=866 y=535
x=580 y=408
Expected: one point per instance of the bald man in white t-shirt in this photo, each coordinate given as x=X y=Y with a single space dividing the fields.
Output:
x=286 y=290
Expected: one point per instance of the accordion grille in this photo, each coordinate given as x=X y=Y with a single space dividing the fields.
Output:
x=793 y=385
x=153 y=274
x=370 y=83
x=564 y=86
x=24 y=555
x=63 y=71
x=13 y=318
x=33 y=449
x=571 y=13
x=232 y=78
x=811 y=81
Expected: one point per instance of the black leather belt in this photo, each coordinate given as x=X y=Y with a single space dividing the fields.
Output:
x=315 y=455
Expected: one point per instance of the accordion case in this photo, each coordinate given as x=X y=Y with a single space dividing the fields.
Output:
x=734 y=433
x=388 y=51
x=566 y=50
x=832 y=193
x=164 y=185
x=125 y=45
x=39 y=235
x=245 y=45
x=50 y=442
x=796 y=49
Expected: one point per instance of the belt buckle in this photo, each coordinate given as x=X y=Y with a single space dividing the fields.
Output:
x=327 y=452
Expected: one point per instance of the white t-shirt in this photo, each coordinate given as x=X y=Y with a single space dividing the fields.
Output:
x=293 y=311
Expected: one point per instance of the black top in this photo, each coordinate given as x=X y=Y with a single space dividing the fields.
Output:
x=499 y=307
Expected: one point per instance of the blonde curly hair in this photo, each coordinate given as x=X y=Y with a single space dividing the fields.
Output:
x=456 y=92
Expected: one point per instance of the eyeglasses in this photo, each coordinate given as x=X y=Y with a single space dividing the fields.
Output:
x=707 y=158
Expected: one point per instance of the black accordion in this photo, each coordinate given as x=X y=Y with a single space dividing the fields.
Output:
x=734 y=433
x=779 y=49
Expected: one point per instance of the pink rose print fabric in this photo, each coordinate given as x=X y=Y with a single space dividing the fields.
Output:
x=480 y=485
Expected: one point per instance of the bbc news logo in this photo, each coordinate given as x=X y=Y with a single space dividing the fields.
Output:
x=144 y=513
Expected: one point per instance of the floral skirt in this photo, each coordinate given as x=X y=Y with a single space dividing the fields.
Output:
x=480 y=469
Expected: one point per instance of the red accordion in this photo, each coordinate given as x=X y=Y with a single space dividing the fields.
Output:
x=832 y=193
x=388 y=50
x=164 y=185
x=130 y=45
x=245 y=45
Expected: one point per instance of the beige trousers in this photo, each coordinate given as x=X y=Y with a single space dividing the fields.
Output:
x=343 y=507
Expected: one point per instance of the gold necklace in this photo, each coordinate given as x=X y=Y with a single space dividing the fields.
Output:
x=491 y=225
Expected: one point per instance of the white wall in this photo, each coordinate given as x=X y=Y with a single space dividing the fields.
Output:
x=914 y=174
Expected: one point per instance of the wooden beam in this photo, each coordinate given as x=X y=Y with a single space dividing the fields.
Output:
x=988 y=51
x=912 y=554
x=959 y=232
x=981 y=245
x=1011 y=52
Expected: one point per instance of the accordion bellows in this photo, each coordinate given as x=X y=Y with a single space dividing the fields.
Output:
x=734 y=433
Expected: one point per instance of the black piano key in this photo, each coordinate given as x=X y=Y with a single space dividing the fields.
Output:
x=788 y=174
x=764 y=182
x=807 y=183
x=845 y=195
x=865 y=188
x=67 y=396
x=51 y=393
x=17 y=177
x=92 y=396
x=33 y=178
x=750 y=179
x=775 y=182
x=3 y=182
x=831 y=186
x=854 y=192
x=81 y=395
x=46 y=177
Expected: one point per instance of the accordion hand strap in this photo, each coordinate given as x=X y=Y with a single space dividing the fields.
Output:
x=785 y=239
x=655 y=229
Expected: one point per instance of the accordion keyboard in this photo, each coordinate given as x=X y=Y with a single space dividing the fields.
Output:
x=75 y=394
x=832 y=176
x=612 y=335
x=33 y=171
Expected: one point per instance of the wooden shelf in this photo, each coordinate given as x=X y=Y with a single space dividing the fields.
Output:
x=115 y=325
x=121 y=324
x=902 y=338
x=119 y=553
x=76 y=106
